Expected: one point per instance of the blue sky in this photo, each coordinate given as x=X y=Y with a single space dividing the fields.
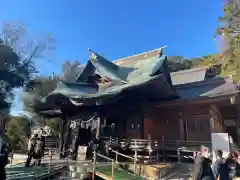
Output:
x=118 y=28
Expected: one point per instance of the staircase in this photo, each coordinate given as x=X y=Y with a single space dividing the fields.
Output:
x=73 y=173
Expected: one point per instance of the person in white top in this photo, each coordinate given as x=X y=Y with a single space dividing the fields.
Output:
x=31 y=145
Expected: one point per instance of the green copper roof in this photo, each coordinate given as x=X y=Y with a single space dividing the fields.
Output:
x=147 y=80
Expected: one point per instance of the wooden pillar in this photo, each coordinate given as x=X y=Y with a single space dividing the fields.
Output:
x=65 y=132
x=104 y=120
x=141 y=123
x=237 y=104
x=181 y=126
x=98 y=127
x=216 y=122
x=99 y=120
x=69 y=135
x=61 y=136
x=238 y=122
x=142 y=127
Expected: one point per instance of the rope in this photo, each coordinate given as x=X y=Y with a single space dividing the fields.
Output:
x=74 y=124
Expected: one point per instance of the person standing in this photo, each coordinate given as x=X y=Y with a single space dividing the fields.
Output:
x=202 y=168
x=221 y=169
x=31 y=149
x=5 y=149
x=74 y=147
x=233 y=164
x=237 y=173
x=39 y=148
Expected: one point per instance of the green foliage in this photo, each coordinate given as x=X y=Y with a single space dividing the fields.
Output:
x=11 y=74
x=53 y=124
x=229 y=22
x=229 y=31
x=18 y=53
x=31 y=98
x=17 y=131
x=205 y=61
x=178 y=63
x=213 y=62
x=42 y=86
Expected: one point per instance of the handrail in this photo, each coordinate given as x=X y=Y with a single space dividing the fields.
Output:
x=147 y=139
x=134 y=159
x=105 y=157
x=95 y=154
x=163 y=141
x=174 y=141
x=34 y=165
x=129 y=157
x=124 y=155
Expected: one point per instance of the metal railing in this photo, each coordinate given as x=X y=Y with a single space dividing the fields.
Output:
x=163 y=143
x=37 y=172
x=135 y=158
x=95 y=154
x=193 y=145
x=114 y=162
x=163 y=149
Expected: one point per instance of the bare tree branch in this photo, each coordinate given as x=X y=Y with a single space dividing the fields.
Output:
x=29 y=48
x=71 y=70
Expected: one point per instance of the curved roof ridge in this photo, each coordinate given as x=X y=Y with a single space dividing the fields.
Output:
x=154 y=51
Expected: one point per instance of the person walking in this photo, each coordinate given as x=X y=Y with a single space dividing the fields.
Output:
x=202 y=168
x=221 y=169
x=31 y=149
x=233 y=164
x=237 y=172
x=39 y=148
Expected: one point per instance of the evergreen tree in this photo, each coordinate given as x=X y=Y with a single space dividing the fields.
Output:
x=229 y=31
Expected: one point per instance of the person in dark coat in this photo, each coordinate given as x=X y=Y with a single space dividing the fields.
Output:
x=74 y=148
x=202 y=168
x=31 y=149
x=89 y=137
x=5 y=149
x=237 y=169
x=82 y=139
x=39 y=149
x=233 y=165
x=221 y=169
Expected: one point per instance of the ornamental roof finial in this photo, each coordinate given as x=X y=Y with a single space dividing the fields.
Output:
x=90 y=50
x=161 y=51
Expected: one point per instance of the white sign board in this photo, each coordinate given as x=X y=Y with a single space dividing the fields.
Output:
x=220 y=141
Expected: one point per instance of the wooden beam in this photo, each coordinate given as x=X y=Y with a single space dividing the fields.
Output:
x=98 y=128
x=181 y=123
x=203 y=100
x=216 y=122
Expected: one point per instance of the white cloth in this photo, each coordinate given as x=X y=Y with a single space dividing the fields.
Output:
x=82 y=152
x=31 y=142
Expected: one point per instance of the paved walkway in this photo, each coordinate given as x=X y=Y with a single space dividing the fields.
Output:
x=20 y=172
x=26 y=173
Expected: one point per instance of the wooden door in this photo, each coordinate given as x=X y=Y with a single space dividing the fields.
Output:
x=198 y=128
x=134 y=127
